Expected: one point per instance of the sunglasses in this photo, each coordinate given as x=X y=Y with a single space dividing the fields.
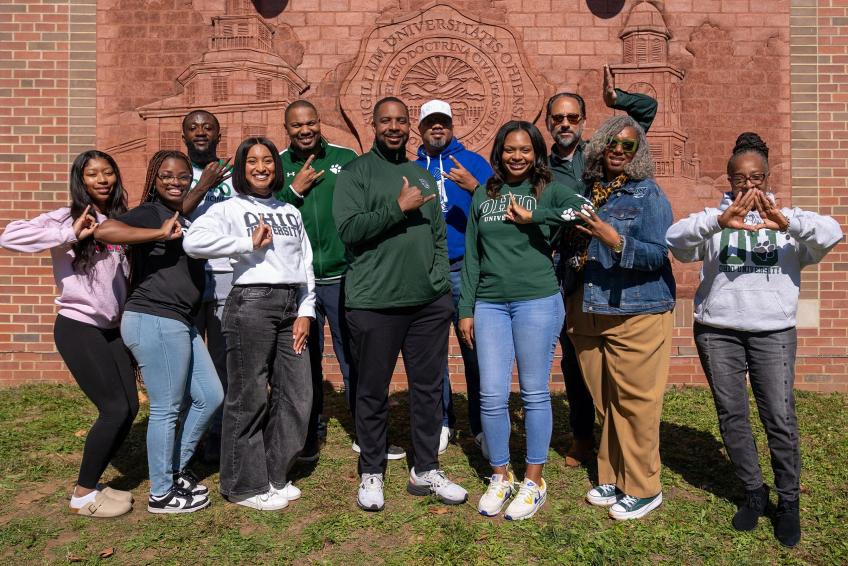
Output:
x=627 y=146
x=573 y=119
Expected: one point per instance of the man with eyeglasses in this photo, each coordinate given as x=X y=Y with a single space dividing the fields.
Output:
x=565 y=116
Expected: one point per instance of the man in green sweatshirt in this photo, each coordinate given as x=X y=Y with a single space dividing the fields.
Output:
x=397 y=297
x=565 y=116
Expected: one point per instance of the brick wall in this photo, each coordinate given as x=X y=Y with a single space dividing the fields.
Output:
x=776 y=67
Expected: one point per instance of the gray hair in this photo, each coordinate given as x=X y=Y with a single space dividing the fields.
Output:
x=642 y=165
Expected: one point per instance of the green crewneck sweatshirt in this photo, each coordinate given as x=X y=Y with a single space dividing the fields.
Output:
x=316 y=208
x=394 y=259
x=510 y=262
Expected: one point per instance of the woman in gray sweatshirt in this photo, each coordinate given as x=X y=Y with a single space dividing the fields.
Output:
x=752 y=253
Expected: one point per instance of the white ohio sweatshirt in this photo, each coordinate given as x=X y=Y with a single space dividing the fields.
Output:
x=750 y=280
x=225 y=231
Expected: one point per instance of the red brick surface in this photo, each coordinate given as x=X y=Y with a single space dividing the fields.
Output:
x=747 y=66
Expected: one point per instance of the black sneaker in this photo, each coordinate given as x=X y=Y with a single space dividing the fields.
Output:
x=787 y=522
x=310 y=453
x=750 y=512
x=321 y=430
x=177 y=500
x=189 y=482
x=392 y=452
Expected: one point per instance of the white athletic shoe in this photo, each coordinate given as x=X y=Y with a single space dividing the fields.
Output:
x=437 y=483
x=290 y=491
x=444 y=439
x=272 y=500
x=370 y=496
x=498 y=493
x=530 y=499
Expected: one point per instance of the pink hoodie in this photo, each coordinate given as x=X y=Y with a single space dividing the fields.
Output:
x=96 y=298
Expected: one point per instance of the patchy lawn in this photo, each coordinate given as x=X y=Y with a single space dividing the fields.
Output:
x=42 y=430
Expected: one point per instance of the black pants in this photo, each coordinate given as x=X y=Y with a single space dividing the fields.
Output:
x=581 y=409
x=377 y=337
x=264 y=428
x=101 y=367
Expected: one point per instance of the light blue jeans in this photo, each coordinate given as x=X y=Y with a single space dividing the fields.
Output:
x=174 y=362
x=525 y=331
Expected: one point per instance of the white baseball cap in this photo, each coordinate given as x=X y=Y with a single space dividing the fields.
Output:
x=434 y=107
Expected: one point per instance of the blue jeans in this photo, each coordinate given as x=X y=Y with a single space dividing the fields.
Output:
x=472 y=371
x=173 y=361
x=525 y=331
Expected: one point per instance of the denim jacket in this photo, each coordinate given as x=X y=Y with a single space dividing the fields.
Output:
x=639 y=280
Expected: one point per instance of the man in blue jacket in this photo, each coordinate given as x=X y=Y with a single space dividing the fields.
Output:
x=458 y=171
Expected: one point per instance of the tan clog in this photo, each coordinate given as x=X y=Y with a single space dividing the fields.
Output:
x=103 y=506
x=117 y=494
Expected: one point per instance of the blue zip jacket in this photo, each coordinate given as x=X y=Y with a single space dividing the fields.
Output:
x=456 y=201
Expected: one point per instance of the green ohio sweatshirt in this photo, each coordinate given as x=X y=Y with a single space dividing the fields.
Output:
x=506 y=261
x=316 y=207
x=394 y=259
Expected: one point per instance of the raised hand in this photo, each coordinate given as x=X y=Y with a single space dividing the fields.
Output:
x=306 y=177
x=773 y=218
x=517 y=213
x=171 y=228
x=461 y=176
x=466 y=331
x=85 y=225
x=300 y=333
x=213 y=175
x=262 y=235
x=411 y=198
x=597 y=228
x=734 y=215
x=610 y=96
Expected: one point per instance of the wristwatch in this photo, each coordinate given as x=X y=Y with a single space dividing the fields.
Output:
x=619 y=247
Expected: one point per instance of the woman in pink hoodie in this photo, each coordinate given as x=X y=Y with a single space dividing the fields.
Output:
x=92 y=281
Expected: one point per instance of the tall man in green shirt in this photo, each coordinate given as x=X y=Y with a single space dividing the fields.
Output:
x=565 y=117
x=397 y=299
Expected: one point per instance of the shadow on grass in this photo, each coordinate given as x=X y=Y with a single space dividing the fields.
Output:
x=696 y=455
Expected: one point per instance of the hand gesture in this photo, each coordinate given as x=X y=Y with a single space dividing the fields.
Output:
x=517 y=213
x=411 y=198
x=734 y=215
x=300 y=333
x=262 y=235
x=306 y=177
x=85 y=225
x=466 y=331
x=461 y=176
x=171 y=228
x=773 y=218
x=610 y=96
x=597 y=228
x=213 y=175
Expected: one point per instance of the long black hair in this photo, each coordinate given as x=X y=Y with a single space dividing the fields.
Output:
x=149 y=193
x=540 y=175
x=240 y=179
x=116 y=204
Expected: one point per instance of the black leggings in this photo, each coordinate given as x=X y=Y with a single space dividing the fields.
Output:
x=101 y=366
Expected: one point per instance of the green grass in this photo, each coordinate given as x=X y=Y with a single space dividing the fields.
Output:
x=42 y=431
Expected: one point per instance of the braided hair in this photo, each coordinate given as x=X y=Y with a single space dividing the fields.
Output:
x=748 y=142
x=149 y=193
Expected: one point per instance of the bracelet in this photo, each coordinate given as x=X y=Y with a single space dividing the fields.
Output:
x=619 y=247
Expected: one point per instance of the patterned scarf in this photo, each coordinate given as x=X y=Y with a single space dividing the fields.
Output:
x=576 y=243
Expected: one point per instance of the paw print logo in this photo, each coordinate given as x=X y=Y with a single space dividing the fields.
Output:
x=335 y=168
x=569 y=215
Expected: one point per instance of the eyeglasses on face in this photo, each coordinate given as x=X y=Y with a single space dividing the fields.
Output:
x=741 y=180
x=181 y=179
x=573 y=119
x=627 y=145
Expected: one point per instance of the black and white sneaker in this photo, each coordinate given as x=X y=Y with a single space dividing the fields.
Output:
x=189 y=482
x=177 y=500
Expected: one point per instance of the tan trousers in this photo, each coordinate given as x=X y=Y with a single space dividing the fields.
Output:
x=624 y=359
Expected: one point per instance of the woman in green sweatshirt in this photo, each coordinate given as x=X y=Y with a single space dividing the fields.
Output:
x=510 y=308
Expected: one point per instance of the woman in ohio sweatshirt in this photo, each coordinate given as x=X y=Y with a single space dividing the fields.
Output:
x=266 y=325
x=745 y=306
x=510 y=308
x=92 y=281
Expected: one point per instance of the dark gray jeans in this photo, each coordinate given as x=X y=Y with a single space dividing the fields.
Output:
x=769 y=360
x=263 y=430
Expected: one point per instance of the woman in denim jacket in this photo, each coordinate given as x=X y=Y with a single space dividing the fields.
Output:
x=619 y=313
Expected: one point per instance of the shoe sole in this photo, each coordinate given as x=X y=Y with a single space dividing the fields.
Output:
x=260 y=508
x=307 y=459
x=637 y=514
x=370 y=508
x=603 y=501
x=422 y=490
x=174 y=510
x=539 y=506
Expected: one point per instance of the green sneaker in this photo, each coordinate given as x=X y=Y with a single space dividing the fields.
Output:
x=629 y=507
x=604 y=495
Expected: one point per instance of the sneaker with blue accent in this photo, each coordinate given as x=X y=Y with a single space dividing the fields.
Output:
x=629 y=507
x=604 y=495
x=499 y=491
x=530 y=499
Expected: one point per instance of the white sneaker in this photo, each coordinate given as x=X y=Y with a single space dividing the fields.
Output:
x=370 y=496
x=530 y=498
x=480 y=441
x=272 y=500
x=436 y=482
x=394 y=452
x=444 y=439
x=498 y=493
x=290 y=491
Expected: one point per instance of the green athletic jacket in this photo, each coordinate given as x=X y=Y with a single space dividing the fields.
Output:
x=394 y=259
x=316 y=208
